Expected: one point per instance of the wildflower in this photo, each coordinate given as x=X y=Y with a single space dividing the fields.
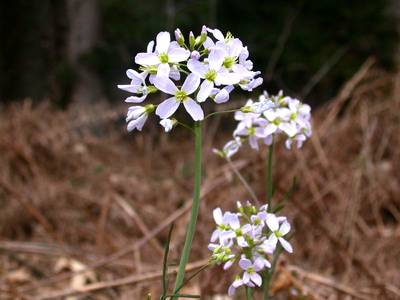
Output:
x=137 y=86
x=170 y=105
x=168 y=124
x=137 y=116
x=278 y=232
x=250 y=271
x=246 y=237
x=213 y=73
x=165 y=53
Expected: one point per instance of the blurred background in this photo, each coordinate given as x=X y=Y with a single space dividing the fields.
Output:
x=78 y=192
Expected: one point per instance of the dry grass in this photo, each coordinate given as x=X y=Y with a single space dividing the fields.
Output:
x=76 y=191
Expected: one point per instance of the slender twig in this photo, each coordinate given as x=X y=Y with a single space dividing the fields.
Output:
x=243 y=181
x=221 y=112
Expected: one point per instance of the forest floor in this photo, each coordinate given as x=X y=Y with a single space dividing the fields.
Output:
x=86 y=207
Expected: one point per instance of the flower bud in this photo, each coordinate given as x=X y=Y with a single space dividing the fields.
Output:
x=192 y=40
x=195 y=55
x=179 y=37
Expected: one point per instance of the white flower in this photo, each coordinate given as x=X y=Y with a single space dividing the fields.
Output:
x=213 y=73
x=231 y=147
x=137 y=86
x=168 y=124
x=165 y=53
x=137 y=116
x=250 y=275
x=170 y=105
x=278 y=232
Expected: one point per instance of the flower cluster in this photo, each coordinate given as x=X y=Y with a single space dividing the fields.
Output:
x=249 y=237
x=209 y=66
x=268 y=117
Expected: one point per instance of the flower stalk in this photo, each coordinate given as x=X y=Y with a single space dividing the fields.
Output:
x=195 y=210
x=269 y=176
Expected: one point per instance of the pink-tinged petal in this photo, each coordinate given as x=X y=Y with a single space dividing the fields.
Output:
x=222 y=96
x=256 y=278
x=286 y=245
x=237 y=283
x=289 y=129
x=259 y=264
x=285 y=228
x=227 y=78
x=205 y=90
x=217 y=214
x=245 y=263
x=194 y=109
x=197 y=67
x=178 y=54
x=134 y=99
x=147 y=59
x=163 y=40
x=163 y=70
x=167 y=108
x=165 y=84
x=216 y=58
x=191 y=83
x=272 y=222
x=150 y=47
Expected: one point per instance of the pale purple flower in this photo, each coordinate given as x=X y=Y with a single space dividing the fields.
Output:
x=137 y=86
x=278 y=231
x=168 y=124
x=168 y=107
x=137 y=116
x=250 y=274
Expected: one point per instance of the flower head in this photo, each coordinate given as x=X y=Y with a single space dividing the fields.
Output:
x=248 y=237
x=209 y=65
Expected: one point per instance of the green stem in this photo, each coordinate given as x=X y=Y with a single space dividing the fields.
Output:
x=269 y=273
x=249 y=293
x=269 y=176
x=195 y=210
x=221 y=112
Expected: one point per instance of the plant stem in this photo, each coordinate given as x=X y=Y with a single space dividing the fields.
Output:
x=269 y=273
x=195 y=210
x=221 y=112
x=249 y=293
x=269 y=176
x=243 y=181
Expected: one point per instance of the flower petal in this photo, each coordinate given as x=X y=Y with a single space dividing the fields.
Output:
x=134 y=99
x=227 y=78
x=197 y=67
x=167 y=108
x=165 y=84
x=191 y=83
x=256 y=278
x=285 y=228
x=245 y=263
x=217 y=214
x=216 y=58
x=163 y=70
x=205 y=90
x=163 y=40
x=178 y=54
x=194 y=109
x=147 y=59
x=150 y=47
x=286 y=245
x=137 y=123
x=272 y=222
